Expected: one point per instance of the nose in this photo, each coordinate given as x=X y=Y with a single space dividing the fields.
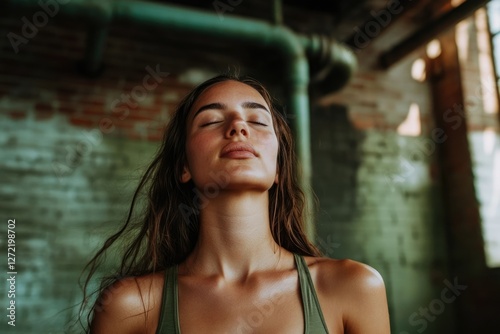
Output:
x=237 y=127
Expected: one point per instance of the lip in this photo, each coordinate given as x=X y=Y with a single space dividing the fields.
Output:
x=238 y=150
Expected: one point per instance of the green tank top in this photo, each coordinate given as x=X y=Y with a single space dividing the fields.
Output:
x=314 y=322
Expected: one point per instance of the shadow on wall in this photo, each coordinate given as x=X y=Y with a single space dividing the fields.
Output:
x=373 y=211
x=336 y=160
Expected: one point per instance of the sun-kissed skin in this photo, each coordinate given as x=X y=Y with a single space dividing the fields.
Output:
x=236 y=267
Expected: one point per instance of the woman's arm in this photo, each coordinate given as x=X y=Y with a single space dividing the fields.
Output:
x=366 y=308
x=121 y=308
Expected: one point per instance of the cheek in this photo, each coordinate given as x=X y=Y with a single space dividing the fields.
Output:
x=197 y=149
x=270 y=146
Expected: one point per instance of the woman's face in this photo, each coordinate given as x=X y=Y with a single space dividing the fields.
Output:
x=231 y=143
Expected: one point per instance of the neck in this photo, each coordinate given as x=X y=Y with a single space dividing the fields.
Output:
x=235 y=238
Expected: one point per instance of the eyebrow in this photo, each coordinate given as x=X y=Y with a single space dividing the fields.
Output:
x=222 y=106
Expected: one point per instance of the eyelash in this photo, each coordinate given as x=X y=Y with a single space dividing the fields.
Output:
x=210 y=123
x=259 y=123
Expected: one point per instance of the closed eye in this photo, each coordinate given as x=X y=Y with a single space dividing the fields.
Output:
x=259 y=123
x=210 y=123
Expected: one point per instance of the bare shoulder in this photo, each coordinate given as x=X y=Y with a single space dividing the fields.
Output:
x=129 y=305
x=345 y=273
x=354 y=289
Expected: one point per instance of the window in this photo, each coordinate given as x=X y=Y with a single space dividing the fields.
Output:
x=494 y=23
x=485 y=143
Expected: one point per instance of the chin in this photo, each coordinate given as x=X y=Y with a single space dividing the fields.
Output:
x=250 y=186
x=241 y=180
x=236 y=178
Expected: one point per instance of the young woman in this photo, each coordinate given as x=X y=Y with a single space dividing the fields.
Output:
x=221 y=246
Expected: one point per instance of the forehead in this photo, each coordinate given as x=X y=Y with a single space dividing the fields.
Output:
x=229 y=92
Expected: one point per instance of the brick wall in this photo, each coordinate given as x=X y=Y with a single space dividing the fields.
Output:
x=379 y=190
x=73 y=147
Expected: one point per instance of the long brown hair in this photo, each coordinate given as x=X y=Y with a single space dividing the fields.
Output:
x=166 y=231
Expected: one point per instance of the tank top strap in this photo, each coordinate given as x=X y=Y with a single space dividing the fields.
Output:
x=169 y=311
x=314 y=322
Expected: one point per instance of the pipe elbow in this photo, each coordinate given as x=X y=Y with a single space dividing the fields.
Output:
x=331 y=63
x=288 y=44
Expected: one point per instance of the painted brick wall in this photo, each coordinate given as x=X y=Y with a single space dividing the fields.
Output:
x=379 y=192
x=72 y=149
x=382 y=203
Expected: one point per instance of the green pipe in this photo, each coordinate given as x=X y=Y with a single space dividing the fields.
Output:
x=294 y=49
x=331 y=61
x=278 y=12
x=96 y=43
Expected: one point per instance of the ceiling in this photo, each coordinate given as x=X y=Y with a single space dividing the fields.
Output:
x=336 y=18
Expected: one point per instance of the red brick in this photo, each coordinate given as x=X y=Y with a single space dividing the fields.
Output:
x=17 y=114
x=83 y=121
x=66 y=110
x=140 y=115
x=44 y=107
x=123 y=124
x=44 y=115
x=156 y=136
x=94 y=111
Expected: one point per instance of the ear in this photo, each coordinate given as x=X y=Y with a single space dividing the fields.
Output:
x=186 y=174
x=276 y=179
